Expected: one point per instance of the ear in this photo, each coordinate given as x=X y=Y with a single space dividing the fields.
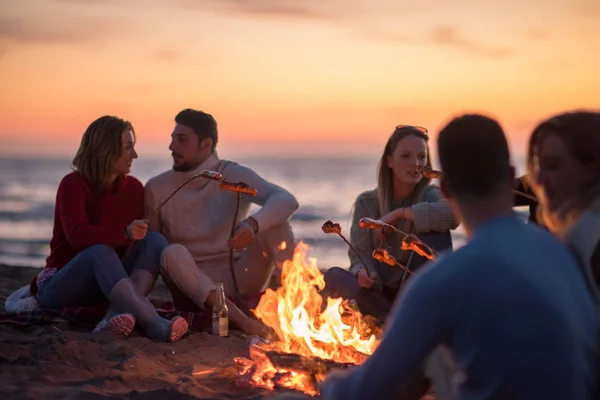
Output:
x=206 y=143
x=445 y=189
x=390 y=161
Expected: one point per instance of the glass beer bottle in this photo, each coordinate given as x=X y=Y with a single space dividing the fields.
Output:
x=220 y=316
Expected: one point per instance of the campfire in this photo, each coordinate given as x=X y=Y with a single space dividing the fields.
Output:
x=312 y=338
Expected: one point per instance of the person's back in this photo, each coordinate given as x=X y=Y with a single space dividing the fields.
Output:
x=522 y=325
x=511 y=305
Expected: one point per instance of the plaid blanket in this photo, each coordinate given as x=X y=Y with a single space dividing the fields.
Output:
x=88 y=317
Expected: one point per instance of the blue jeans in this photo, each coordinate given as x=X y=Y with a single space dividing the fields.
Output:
x=90 y=276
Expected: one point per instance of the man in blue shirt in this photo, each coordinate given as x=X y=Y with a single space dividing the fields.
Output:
x=511 y=305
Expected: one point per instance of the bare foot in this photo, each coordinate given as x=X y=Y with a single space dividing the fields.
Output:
x=253 y=327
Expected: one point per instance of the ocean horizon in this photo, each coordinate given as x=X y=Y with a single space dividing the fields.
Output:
x=325 y=187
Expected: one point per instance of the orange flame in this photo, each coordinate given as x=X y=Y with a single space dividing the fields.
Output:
x=294 y=312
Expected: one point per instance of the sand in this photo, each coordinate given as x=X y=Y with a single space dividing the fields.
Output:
x=57 y=362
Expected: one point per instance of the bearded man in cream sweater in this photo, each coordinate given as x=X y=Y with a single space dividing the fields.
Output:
x=197 y=223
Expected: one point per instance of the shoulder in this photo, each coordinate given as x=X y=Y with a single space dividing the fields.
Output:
x=233 y=168
x=370 y=196
x=455 y=270
x=159 y=179
x=368 y=200
x=132 y=183
x=73 y=180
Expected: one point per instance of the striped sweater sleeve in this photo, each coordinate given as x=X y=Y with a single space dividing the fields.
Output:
x=434 y=213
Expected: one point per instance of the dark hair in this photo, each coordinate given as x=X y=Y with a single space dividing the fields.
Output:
x=474 y=155
x=203 y=124
x=100 y=147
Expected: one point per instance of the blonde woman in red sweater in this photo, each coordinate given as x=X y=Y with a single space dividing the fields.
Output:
x=100 y=248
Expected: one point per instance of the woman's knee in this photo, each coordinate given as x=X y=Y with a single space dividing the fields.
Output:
x=97 y=251
x=336 y=274
x=156 y=240
x=338 y=279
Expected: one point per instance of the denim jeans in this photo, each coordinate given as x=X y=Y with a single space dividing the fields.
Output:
x=89 y=278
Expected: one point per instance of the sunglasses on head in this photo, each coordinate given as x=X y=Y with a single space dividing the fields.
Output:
x=419 y=128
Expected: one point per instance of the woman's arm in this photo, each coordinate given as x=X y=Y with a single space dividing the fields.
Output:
x=71 y=201
x=433 y=214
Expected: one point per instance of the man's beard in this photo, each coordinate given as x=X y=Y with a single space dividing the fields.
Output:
x=185 y=167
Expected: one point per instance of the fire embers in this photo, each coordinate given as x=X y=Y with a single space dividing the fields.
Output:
x=313 y=337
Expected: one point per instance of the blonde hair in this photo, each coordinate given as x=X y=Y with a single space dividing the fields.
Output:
x=100 y=147
x=385 y=190
x=579 y=130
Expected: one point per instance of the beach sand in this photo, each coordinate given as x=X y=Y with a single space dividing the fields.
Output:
x=55 y=362
x=60 y=362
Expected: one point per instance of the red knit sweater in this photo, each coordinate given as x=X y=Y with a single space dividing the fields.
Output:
x=83 y=219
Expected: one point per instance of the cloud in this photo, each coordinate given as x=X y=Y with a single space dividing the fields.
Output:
x=31 y=30
x=296 y=9
x=165 y=55
x=450 y=36
x=538 y=34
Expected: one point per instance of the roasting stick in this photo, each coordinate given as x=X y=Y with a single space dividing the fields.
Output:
x=331 y=227
x=216 y=176
x=204 y=174
x=409 y=242
x=433 y=174
x=239 y=188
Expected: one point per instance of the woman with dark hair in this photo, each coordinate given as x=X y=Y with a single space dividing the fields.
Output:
x=403 y=198
x=564 y=161
x=100 y=248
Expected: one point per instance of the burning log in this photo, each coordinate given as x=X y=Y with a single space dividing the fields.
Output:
x=273 y=369
x=298 y=363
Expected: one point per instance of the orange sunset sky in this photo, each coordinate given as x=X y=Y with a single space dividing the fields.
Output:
x=289 y=76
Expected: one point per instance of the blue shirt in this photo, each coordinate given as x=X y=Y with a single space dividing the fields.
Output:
x=513 y=308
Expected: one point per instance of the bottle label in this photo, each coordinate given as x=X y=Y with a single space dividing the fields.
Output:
x=223 y=326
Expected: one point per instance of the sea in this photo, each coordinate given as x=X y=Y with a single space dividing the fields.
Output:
x=326 y=188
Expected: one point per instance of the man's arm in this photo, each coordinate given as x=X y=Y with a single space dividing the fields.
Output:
x=420 y=322
x=150 y=203
x=277 y=204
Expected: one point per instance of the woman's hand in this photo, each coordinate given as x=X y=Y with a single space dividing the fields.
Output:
x=137 y=230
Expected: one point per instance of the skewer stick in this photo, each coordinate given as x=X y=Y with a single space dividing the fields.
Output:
x=239 y=188
x=369 y=223
x=331 y=227
x=204 y=174
x=427 y=172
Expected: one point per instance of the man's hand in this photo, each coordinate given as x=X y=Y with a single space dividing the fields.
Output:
x=244 y=234
x=364 y=280
x=137 y=229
